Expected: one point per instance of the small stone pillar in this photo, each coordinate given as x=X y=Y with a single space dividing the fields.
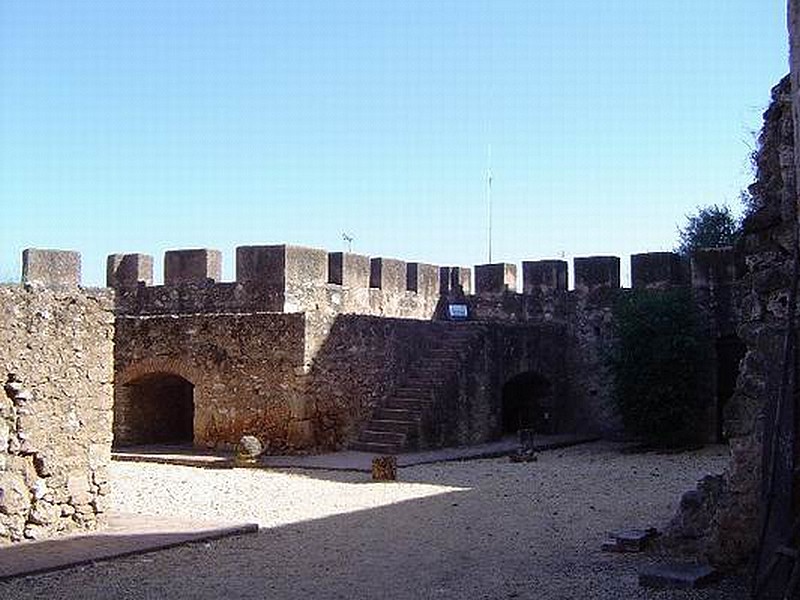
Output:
x=388 y=274
x=544 y=276
x=495 y=278
x=593 y=272
x=422 y=279
x=348 y=270
x=461 y=280
x=453 y=280
x=51 y=267
x=129 y=270
x=192 y=266
x=384 y=468
x=712 y=267
x=657 y=270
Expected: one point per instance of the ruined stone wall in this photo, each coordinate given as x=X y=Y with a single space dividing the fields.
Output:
x=55 y=411
x=246 y=371
x=764 y=288
x=720 y=518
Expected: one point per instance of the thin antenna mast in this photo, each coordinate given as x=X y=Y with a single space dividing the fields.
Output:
x=348 y=239
x=489 y=202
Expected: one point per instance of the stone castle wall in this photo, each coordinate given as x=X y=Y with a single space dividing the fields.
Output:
x=245 y=371
x=56 y=351
x=356 y=325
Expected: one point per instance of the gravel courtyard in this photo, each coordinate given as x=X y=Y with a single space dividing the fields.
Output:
x=478 y=529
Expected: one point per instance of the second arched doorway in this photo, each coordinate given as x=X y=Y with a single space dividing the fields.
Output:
x=528 y=404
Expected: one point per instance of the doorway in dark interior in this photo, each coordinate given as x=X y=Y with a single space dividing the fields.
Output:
x=158 y=409
x=528 y=404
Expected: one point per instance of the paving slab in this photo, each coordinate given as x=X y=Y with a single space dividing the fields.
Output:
x=629 y=540
x=345 y=460
x=677 y=576
x=125 y=535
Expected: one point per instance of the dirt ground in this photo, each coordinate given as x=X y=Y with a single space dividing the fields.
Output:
x=484 y=529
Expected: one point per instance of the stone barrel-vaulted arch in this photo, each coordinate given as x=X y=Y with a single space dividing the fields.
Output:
x=154 y=402
x=245 y=372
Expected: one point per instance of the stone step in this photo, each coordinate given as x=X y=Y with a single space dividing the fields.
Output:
x=414 y=392
x=434 y=367
x=392 y=426
x=445 y=351
x=381 y=437
x=407 y=414
x=431 y=368
x=410 y=404
x=395 y=423
x=440 y=356
x=374 y=448
x=429 y=381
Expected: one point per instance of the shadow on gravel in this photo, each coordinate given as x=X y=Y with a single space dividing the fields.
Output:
x=536 y=540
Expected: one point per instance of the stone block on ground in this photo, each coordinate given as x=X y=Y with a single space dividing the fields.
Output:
x=248 y=451
x=677 y=576
x=526 y=451
x=384 y=468
x=629 y=540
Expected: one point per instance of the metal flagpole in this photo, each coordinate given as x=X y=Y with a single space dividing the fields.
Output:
x=489 y=202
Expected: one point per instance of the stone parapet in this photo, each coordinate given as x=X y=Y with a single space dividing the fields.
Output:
x=713 y=267
x=388 y=274
x=495 y=278
x=594 y=272
x=51 y=267
x=455 y=280
x=422 y=278
x=544 y=276
x=192 y=266
x=349 y=270
x=657 y=270
x=129 y=270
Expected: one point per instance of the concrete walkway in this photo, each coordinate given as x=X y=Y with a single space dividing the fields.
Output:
x=125 y=535
x=346 y=460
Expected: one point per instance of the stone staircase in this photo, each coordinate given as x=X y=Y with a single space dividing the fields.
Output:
x=397 y=423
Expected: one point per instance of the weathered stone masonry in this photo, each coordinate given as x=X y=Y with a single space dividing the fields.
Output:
x=56 y=349
x=721 y=517
x=305 y=348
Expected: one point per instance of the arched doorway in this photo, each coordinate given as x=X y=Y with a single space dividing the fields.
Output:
x=528 y=404
x=157 y=408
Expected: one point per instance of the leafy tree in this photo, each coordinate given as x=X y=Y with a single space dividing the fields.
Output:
x=659 y=365
x=711 y=227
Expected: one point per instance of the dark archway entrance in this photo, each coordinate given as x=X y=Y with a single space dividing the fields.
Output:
x=730 y=351
x=155 y=409
x=528 y=404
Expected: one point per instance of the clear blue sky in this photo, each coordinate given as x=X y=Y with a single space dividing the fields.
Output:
x=145 y=125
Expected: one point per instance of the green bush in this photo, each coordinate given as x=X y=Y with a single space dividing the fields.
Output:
x=659 y=365
x=711 y=227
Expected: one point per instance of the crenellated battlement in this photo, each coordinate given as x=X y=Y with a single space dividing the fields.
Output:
x=291 y=279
